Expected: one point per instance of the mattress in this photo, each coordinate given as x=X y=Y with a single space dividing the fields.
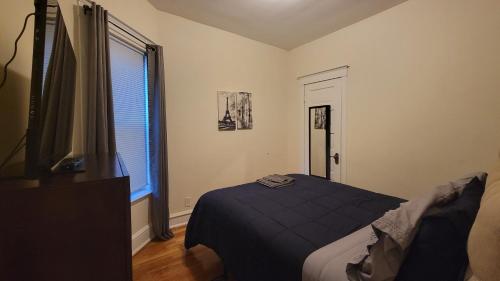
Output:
x=267 y=234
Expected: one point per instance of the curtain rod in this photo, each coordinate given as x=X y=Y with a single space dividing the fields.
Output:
x=126 y=41
x=122 y=26
x=135 y=37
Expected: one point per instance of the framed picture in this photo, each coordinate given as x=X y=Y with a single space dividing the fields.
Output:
x=227 y=110
x=320 y=118
x=244 y=111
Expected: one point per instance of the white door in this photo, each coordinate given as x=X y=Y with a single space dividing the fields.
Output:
x=327 y=92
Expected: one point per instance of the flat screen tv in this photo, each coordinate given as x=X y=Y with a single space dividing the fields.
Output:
x=52 y=95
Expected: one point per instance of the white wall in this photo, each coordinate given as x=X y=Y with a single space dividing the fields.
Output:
x=423 y=93
x=14 y=96
x=201 y=60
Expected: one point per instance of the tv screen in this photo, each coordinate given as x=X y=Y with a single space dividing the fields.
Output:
x=52 y=96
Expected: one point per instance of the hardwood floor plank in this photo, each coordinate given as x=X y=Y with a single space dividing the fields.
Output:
x=169 y=261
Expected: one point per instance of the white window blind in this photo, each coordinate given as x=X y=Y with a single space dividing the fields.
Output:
x=129 y=81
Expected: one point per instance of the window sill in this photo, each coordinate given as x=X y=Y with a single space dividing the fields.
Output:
x=140 y=193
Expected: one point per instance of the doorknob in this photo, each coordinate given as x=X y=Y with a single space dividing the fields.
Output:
x=336 y=158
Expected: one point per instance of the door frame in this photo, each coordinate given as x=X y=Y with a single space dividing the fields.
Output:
x=339 y=73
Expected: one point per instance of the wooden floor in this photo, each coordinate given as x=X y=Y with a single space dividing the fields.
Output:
x=168 y=260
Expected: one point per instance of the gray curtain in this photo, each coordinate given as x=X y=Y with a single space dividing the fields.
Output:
x=99 y=127
x=58 y=97
x=158 y=143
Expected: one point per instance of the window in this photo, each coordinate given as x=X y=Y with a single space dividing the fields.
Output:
x=130 y=101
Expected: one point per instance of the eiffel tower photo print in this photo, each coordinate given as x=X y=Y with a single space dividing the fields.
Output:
x=227 y=110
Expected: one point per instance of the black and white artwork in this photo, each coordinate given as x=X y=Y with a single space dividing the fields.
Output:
x=227 y=110
x=244 y=111
x=320 y=118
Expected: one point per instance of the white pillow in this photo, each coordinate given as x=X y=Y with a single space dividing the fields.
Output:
x=484 y=239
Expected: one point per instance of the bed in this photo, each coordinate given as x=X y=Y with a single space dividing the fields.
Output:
x=316 y=230
x=267 y=234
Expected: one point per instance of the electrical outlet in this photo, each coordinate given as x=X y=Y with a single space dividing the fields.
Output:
x=187 y=201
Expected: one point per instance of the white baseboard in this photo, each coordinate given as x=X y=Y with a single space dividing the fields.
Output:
x=141 y=238
x=180 y=218
x=144 y=235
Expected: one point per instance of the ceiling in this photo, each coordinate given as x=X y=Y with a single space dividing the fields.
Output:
x=283 y=23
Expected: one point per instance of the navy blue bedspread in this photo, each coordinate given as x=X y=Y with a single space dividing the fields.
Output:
x=266 y=234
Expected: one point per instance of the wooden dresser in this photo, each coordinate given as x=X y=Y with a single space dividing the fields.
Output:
x=71 y=227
